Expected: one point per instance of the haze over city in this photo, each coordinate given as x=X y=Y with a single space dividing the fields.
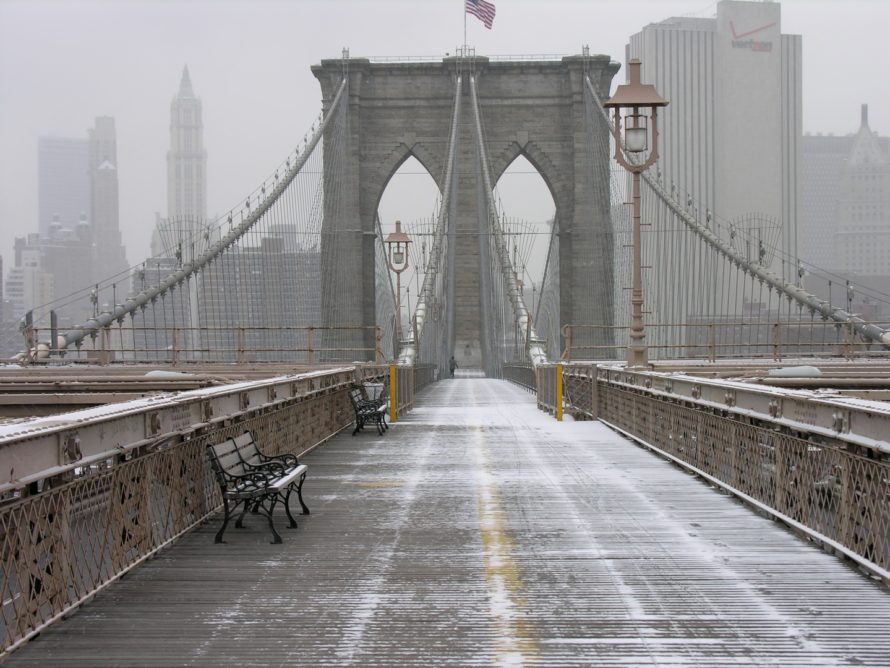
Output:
x=614 y=392
x=62 y=64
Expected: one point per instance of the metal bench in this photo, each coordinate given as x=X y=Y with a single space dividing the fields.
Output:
x=370 y=403
x=256 y=481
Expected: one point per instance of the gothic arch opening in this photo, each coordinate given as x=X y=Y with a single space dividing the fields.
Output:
x=411 y=196
x=529 y=210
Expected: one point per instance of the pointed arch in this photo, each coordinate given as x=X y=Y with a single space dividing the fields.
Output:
x=397 y=157
x=530 y=198
x=538 y=158
x=419 y=197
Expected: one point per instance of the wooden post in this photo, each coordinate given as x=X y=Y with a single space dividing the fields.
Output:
x=558 y=369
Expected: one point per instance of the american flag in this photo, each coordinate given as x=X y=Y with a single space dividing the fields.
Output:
x=484 y=11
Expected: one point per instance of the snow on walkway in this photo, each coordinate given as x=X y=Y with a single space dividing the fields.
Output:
x=480 y=531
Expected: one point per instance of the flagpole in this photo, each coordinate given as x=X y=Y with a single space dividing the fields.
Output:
x=463 y=3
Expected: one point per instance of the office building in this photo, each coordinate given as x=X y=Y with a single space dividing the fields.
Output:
x=55 y=272
x=104 y=198
x=861 y=239
x=164 y=330
x=63 y=181
x=11 y=342
x=845 y=221
x=28 y=285
x=822 y=161
x=258 y=298
x=730 y=138
x=79 y=239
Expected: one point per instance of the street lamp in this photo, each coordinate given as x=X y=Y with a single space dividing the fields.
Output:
x=397 y=261
x=638 y=104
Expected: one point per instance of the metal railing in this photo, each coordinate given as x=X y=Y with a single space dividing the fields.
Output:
x=91 y=494
x=183 y=345
x=821 y=465
x=521 y=373
x=723 y=339
x=424 y=374
x=457 y=54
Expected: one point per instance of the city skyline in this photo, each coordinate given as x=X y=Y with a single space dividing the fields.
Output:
x=260 y=101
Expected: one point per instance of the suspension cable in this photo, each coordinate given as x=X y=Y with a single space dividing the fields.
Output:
x=411 y=349
x=133 y=304
x=756 y=269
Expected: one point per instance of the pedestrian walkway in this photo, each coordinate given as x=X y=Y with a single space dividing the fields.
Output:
x=480 y=531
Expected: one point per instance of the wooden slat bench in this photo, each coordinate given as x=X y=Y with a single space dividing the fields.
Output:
x=256 y=481
x=369 y=409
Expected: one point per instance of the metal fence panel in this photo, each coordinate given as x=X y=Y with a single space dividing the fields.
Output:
x=90 y=524
x=835 y=488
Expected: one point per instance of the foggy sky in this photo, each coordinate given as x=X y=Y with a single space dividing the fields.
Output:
x=64 y=62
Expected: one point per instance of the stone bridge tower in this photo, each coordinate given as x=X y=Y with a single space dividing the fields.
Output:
x=535 y=109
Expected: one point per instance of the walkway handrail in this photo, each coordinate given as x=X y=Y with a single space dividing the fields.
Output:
x=98 y=491
x=133 y=304
x=521 y=316
x=817 y=463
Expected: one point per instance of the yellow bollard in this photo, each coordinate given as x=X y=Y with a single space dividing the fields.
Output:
x=559 y=392
x=393 y=394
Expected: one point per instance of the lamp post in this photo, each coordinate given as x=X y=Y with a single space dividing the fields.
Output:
x=637 y=103
x=397 y=261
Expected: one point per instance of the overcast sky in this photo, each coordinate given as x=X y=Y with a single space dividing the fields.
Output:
x=64 y=62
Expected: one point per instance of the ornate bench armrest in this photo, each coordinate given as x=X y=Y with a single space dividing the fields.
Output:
x=268 y=469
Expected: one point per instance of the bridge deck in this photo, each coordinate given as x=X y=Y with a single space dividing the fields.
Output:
x=481 y=531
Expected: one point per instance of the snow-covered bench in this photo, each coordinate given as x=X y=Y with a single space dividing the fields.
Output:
x=256 y=481
x=369 y=409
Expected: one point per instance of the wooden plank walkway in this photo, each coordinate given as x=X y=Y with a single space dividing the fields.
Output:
x=480 y=531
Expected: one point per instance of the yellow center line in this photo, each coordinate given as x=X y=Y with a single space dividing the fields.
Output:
x=380 y=484
x=515 y=643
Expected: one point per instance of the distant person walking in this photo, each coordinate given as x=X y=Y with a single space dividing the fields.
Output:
x=452 y=365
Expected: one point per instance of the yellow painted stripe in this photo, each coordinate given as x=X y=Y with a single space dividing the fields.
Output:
x=515 y=643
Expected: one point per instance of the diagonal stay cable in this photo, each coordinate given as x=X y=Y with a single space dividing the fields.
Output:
x=521 y=317
x=410 y=351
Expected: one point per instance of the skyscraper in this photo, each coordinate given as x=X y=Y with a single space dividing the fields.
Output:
x=63 y=181
x=186 y=207
x=186 y=162
x=845 y=216
x=862 y=232
x=104 y=201
x=731 y=136
x=79 y=240
x=822 y=160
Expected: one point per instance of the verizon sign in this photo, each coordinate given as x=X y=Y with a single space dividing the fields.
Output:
x=744 y=40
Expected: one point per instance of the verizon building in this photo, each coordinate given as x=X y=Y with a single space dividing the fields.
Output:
x=731 y=136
